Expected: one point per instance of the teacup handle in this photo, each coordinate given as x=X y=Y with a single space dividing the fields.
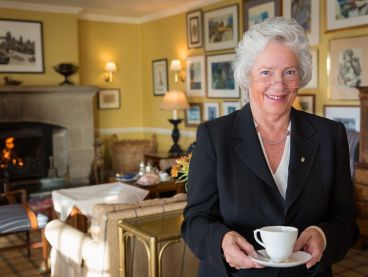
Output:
x=255 y=232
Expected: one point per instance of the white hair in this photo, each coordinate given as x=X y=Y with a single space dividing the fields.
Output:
x=255 y=40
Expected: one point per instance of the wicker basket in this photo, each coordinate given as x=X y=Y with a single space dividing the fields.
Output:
x=127 y=154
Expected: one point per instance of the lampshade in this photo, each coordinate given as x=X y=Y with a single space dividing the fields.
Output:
x=175 y=100
x=110 y=67
x=175 y=65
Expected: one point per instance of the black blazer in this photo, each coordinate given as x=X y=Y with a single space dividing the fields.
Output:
x=231 y=188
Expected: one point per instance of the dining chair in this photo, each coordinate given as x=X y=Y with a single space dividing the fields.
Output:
x=16 y=217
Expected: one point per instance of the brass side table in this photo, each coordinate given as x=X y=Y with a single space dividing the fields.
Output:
x=150 y=230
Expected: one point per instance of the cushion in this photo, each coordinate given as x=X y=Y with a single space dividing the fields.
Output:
x=13 y=218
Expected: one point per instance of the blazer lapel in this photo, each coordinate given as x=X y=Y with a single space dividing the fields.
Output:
x=249 y=148
x=303 y=152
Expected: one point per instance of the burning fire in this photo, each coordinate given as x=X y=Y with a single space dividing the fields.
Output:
x=9 y=157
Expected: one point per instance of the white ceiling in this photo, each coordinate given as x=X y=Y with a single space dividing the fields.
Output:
x=135 y=11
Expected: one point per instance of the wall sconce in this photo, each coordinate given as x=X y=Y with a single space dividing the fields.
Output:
x=110 y=67
x=176 y=67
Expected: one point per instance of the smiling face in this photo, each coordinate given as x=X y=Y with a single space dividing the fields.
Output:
x=274 y=81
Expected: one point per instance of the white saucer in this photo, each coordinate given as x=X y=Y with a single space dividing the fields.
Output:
x=297 y=258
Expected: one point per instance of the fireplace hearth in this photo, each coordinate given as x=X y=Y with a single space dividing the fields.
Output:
x=48 y=121
x=26 y=148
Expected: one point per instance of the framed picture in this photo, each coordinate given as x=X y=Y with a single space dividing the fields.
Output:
x=194 y=29
x=193 y=115
x=313 y=83
x=211 y=111
x=307 y=102
x=345 y=14
x=21 y=46
x=348 y=115
x=108 y=99
x=255 y=11
x=348 y=66
x=160 y=77
x=306 y=14
x=195 y=80
x=220 y=77
x=221 y=28
x=229 y=107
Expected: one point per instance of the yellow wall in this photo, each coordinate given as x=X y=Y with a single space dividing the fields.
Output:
x=60 y=43
x=101 y=42
x=133 y=47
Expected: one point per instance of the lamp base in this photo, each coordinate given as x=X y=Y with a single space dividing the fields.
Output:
x=175 y=149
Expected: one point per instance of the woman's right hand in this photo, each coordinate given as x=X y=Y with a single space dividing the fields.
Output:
x=236 y=250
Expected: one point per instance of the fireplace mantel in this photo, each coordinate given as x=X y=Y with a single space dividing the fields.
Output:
x=48 y=89
x=70 y=107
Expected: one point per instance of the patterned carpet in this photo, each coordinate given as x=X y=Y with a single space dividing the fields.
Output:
x=17 y=264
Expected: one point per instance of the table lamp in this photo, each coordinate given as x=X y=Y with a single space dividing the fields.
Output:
x=175 y=100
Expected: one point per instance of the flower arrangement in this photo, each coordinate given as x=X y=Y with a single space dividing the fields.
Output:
x=180 y=170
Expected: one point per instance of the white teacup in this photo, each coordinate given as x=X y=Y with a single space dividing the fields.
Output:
x=277 y=240
x=164 y=176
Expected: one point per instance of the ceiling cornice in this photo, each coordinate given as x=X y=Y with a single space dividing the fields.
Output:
x=39 y=7
x=104 y=18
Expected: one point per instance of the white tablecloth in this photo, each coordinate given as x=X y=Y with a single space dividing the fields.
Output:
x=84 y=198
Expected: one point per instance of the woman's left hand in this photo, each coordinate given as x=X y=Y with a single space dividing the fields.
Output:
x=311 y=241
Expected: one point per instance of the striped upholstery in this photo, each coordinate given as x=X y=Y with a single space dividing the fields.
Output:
x=13 y=218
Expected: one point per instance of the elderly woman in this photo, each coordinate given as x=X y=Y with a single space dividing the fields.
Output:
x=269 y=164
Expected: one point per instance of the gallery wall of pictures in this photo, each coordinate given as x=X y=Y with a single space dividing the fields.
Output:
x=336 y=69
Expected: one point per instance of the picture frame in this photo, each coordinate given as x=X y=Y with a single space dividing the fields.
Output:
x=342 y=14
x=219 y=35
x=306 y=13
x=193 y=115
x=230 y=106
x=194 y=24
x=211 y=111
x=348 y=67
x=349 y=115
x=160 y=77
x=220 y=77
x=313 y=83
x=307 y=102
x=255 y=11
x=26 y=59
x=108 y=99
x=196 y=80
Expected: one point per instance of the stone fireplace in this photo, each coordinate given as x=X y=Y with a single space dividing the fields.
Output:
x=69 y=109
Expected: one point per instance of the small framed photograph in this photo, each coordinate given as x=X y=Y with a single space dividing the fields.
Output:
x=21 y=47
x=211 y=111
x=221 y=28
x=307 y=102
x=346 y=14
x=229 y=107
x=193 y=115
x=195 y=80
x=306 y=13
x=348 y=64
x=108 y=99
x=220 y=77
x=313 y=83
x=160 y=77
x=255 y=11
x=194 y=29
x=348 y=115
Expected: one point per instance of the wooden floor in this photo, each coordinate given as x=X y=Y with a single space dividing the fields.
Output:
x=17 y=264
